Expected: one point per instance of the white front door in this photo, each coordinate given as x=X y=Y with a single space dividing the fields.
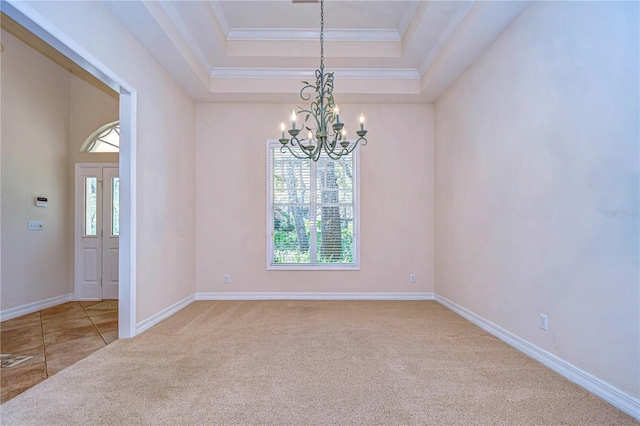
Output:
x=97 y=230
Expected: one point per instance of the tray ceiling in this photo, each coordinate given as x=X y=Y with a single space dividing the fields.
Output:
x=380 y=51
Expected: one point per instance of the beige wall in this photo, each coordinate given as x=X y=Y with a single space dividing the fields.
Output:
x=535 y=143
x=91 y=108
x=165 y=166
x=396 y=201
x=47 y=115
x=35 y=127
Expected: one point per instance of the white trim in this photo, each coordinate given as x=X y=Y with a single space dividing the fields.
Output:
x=78 y=220
x=30 y=308
x=164 y=314
x=298 y=34
x=312 y=266
x=219 y=14
x=407 y=18
x=128 y=215
x=445 y=36
x=591 y=383
x=313 y=296
x=89 y=144
x=167 y=312
x=185 y=33
x=32 y=20
x=270 y=265
x=298 y=73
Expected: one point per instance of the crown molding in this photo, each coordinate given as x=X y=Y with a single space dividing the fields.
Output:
x=444 y=38
x=181 y=27
x=167 y=23
x=297 y=34
x=408 y=18
x=297 y=73
x=219 y=14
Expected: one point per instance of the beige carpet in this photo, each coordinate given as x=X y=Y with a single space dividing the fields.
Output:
x=310 y=362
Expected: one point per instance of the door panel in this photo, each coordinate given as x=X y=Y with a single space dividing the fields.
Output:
x=90 y=265
x=114 y=264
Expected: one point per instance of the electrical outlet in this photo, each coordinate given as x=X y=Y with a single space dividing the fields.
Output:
x=412 y=278
x=227 y=279
x=544 y=322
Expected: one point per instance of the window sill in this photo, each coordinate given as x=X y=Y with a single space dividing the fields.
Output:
x=329 y=267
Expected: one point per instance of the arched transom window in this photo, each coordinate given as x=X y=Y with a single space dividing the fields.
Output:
x=105 y=139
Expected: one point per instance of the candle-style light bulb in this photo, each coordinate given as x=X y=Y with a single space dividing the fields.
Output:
x=293 y=119
x=336 y=110
x=282 y=127
x=361 y=121
x=310 y=136
x=344 y=134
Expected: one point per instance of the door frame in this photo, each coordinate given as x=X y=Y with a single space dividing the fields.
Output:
x=78 y=208
x=32 y=20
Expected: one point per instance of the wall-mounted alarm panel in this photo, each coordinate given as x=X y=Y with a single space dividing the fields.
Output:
x=41 y=201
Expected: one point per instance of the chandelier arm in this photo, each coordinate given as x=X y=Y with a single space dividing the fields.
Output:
x=310 y=114
x=294 y=141
x=336 y=145
x=332 y=155
x=306 y=96
x=316 y=152
x=346 y=150
x=301 y=157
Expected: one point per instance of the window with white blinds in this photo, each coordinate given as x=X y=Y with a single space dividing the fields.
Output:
x=312 y=211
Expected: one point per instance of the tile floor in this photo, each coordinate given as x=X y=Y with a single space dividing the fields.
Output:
x=56 y=337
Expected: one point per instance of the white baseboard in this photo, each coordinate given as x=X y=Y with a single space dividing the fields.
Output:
x=598 y=387
x=163 y=314
x=29 y=308
x=167 y=312
x=313 y=296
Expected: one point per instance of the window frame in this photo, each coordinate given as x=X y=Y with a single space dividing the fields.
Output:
x=89 y=145
x=271 y=266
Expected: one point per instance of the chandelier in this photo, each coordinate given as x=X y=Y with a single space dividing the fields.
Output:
x=325 y=132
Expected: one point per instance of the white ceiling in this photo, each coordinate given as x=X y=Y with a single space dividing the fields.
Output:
x=380 y=51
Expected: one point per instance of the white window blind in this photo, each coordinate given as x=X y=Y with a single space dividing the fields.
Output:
x=312 y=211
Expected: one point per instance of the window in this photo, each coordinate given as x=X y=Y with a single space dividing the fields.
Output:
x=312 y=211
x=115 y=206
x=105 y=139
x=90 y=206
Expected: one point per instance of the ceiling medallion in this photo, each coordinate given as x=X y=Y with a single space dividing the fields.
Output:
x=325 y=132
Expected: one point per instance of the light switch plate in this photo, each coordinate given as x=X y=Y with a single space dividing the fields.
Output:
x=36 y=225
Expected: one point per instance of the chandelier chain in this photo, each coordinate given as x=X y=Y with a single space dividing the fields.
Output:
x=321 y=34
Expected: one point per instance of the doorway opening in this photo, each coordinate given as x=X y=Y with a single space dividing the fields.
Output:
x=29 y=18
